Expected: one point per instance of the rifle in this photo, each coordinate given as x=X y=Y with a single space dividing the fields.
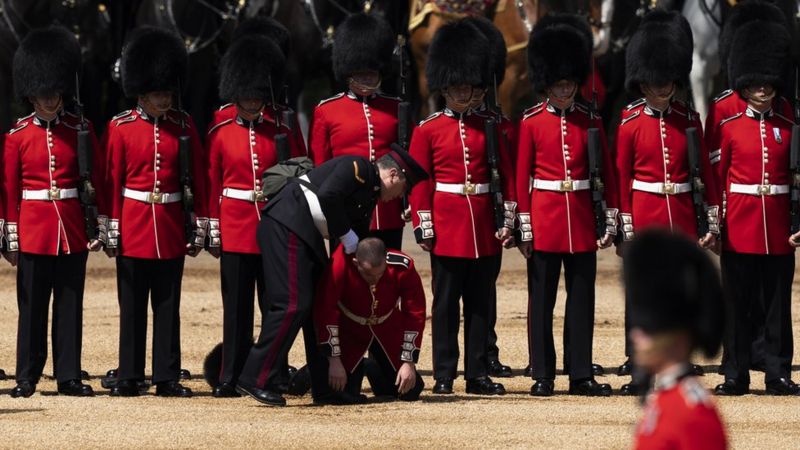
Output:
x=698 y=188
x=86 y=191
x=495 y=183
x=595 y=151
x=794 y=156
x=185 y=160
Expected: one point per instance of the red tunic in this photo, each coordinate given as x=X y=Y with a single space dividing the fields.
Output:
x=553 y=147
x=652 y=148
x=228 y=111
x=39 y=156
x=755 y=151
x=398 y=294
x=142 y=155
x=348 y=125
x=239 y=153
x=680 y=415
x=452 y=149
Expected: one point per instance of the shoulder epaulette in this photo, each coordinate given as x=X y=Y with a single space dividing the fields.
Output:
x=398 y=259
x=723 y=94
x=14 y=130
x=429 y=118
x=339 y=95
x=533 y=110
x=728 y=119
x=629 y=118
x=128 y=119
x=226 y=105
x=26 y=117
x=634 y=104
x=226 y=121
x=122 y=114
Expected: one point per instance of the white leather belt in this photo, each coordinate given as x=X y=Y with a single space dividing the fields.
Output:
x=152 y=197
x=560 y=185
x=463 y=189
x=759 y=189
x=662 y=188
x=50 y=194
x=243 y=194
x=316 y=210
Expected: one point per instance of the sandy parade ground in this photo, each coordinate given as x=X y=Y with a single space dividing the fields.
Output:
x=516 y=420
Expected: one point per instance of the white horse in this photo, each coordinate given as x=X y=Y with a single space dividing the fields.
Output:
x=704 y=16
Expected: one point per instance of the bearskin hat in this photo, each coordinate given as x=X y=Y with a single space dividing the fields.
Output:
x=212 y=366
x=560 y=48
x=741 y=14
x=46 y=63
x=266 y=26
x=251 y=63
x=759 y=54
x=459 y=54
x=660 y=51
x=153 y=59
x=497 y=63
x=362 y=42
x=672 y=285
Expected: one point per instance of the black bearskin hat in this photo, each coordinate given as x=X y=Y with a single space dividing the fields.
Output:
x=46 y=63
x=153 y=59
x=266 y=26
x=497 y=66
x=251 y=63
x=459 y=54
x=759 y=54
x=362 y=42
x=660 y=51
x=741 y=14
x=560 y=48
x=672 y=285
x=212 y=366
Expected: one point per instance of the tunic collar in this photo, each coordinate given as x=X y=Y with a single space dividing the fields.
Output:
x=450 y=113
x=552 y=109
x=352 y=95
x=148 y=117
x=650 y=111
x=672 y=376
x=47 y=123
x=247 y=123
x=753 y=114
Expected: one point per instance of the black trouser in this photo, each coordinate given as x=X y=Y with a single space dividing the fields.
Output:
x=37 y=277
x=160 y=280
x=381 y=376
x=454 y=279
x=544 y=271
x=393 y=239
x=492 y=351
x=242 y=277
x=291 y=270
x=747 y=278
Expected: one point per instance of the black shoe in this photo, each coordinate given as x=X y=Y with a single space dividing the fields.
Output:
x=631 y=389
x=85 y=375
x=443 y=386
x=528 y=371
x=265 y=396
x=625 y=369
x=497 y=369
x=782 y=386
x=125 y=388
x=23 y=389
x=172 y=389
x=698 y=370
x=598 y=370
x=732 y=387
x=185 y=375
x=112 y=373
x=485 y=386
x=589 y=388
x=75 y=388
x=2 y=374
x=225 y=390
x=340 y=398
x=542 y=388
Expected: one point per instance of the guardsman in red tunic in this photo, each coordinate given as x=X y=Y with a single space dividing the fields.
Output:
x=727 y=104
x=652 y=158
x=147 y=231
x=371 y=302
x=240 y=150
x=758 y=248
x=44 y=229
x=453 y=213
x=675 y=299
x=556 y=213
x=361 y=121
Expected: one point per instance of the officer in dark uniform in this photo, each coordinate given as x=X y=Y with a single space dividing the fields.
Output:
x=335 y=199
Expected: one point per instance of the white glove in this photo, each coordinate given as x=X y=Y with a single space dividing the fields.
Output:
x=349 y=241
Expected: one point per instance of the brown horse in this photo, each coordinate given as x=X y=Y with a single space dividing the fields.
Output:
x=506 y=17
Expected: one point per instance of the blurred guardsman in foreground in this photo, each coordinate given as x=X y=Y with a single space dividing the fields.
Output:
x=371 y=302
x=675 y=300
x=45 y=231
